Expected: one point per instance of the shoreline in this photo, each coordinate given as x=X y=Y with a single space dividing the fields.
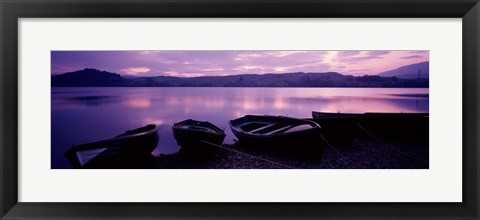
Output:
x=363 y=153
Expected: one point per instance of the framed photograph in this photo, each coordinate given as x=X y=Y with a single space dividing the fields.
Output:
x=226 y=109
x=202 y=91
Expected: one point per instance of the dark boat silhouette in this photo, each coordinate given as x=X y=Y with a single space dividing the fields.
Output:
x=278 y=133
x=320 y=115
x=372 y=115
x=397 y=126
x=338 y=129
x=127 y=150
x=194 y=135
x=388 y=125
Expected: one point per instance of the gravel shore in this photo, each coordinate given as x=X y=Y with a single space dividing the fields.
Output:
x=364 y=152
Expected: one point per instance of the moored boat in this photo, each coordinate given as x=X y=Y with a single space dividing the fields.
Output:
x=398 y=126
x=401 y=126
x=333 y=114
x=278 y=133
x=194 y=135
x=125 y=150
x=338 y=129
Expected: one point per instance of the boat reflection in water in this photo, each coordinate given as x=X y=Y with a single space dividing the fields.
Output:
x=132 y=149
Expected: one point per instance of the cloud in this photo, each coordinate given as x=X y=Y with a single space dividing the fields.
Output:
x=354 y=60
x=189 y=63
x=359 y=70
x=135 y=70
x=59 y=69
x=418 y=51
x=358 y=56
x=348 y=53
x=250 y=67
x=412 y=57
x=377 y=53
x=281 y=69
x=176 y=74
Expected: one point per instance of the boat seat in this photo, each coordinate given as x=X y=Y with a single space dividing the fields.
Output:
x=261 y=128
x=280 y=129
x=299 y=128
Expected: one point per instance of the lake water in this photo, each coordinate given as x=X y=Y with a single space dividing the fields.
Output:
x=82 y=115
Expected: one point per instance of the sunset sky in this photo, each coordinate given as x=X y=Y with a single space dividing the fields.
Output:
x=209 y=63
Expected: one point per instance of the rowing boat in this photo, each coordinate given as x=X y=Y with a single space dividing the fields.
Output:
x=278 y=133
x=338 y=129
x=125 y=150
x=194 y=135
x=401 y=126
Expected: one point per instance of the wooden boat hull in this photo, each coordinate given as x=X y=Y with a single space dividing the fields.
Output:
x=254 y=131
x=338 y=130
x=396 y=126
x=197 y=136
x=319 y=115
x=124 y=151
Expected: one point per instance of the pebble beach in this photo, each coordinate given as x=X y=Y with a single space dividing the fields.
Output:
x=364 y=152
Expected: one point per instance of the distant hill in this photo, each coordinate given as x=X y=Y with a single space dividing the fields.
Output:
x=409 y=71
x=93 y=77
x=87 y=77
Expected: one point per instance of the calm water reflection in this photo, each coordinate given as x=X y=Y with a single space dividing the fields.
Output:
x=82 y=115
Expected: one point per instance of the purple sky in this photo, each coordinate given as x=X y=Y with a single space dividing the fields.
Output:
x=207 y=63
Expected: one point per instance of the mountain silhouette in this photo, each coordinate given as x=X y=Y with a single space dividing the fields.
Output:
x=92 y=77
x=409 y=71
x=87 y=77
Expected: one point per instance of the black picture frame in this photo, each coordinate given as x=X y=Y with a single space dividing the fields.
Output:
x=12 y=10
